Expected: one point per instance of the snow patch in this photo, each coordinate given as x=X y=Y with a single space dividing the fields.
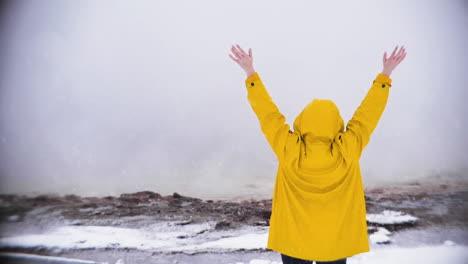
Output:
x=246 y=241
x=13 y=218
x=380 y=236
x=33 y=258
x=162 y=237
x=393 y=255
x=89 y=237
x=389 y=217
x=449 y=243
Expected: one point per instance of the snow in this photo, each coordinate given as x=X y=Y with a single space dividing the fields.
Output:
x=454 y=254
x=390 y=217
x=396 y=255
x=449 y=243
x=261 y=261
x=421 y=254
x=179 y=236
x=186 y=237
x=43 y=259
x=172 y=237
x=246 y=241
x=380 y=237
x=13 y=218
x=86 y=237
x=163 y=237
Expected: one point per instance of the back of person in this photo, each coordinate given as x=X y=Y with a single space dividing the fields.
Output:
x=318 y=206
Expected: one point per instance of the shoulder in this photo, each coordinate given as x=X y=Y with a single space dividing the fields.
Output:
x=292 y=141
x=341 y=146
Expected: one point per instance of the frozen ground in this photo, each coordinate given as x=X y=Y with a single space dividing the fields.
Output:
x=444 y=253
x=405 y=226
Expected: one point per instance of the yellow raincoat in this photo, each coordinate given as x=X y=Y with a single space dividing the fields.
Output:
x=318 y=206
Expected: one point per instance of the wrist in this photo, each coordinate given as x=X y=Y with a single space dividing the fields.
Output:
x=387 y=72
x=249 y=71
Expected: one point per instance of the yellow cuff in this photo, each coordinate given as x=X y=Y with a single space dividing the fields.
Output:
x=252 y=79
x=383 y=78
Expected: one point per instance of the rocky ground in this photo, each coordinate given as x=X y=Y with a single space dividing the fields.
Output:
x=434 y=205
x=76 y=210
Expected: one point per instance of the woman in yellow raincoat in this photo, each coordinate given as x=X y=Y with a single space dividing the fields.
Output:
x=318 y=207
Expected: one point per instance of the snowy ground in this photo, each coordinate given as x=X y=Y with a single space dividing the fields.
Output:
x=191 y=239
x=393 y=255
x=445 y=253
x=423 y=228
x=174 y=236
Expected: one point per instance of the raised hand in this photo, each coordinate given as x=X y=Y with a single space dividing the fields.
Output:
x=244 y=60
x=390 y=64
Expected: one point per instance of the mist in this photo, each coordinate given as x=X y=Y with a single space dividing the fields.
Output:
x=106 y=97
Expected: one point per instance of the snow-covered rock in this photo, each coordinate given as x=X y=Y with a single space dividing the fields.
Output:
x=161 y=237
x=388 y=217
x=13 y=218
x=449 y=243
x=380 y=236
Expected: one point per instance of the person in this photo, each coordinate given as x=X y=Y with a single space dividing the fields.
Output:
x=318 y=206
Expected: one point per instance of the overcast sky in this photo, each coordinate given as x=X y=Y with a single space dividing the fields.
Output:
x=105 y=97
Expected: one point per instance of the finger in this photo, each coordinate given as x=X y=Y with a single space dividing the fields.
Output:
x=233 y=58
x=250 y=52
x=400 y=52
x=402 y=57
x=236 y=53
x=385 y=57
x=393 y=53
x=241 y=50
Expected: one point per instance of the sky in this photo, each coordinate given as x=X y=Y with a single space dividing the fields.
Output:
x=107 y=97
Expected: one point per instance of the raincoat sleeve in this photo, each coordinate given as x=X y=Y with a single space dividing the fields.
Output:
x=365 y=119
x=272 y=122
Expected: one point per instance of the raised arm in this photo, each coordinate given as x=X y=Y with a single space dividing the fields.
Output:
x=272 y=122
x=365 y=119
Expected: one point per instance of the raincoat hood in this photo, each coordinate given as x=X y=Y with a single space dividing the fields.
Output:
x=319 y=120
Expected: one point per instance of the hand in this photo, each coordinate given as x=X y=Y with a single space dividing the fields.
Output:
x=390 y=64
x=244 y=60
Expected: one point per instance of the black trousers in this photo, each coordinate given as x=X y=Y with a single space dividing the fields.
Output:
x=290 y=260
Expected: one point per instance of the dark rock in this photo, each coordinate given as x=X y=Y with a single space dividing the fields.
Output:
x=72 y=198
x=261 y=223
x=394 y=226
x=176 y=195
x=46 y=199
x=130 y=199
x=222 y=225
x=265 y=214
x=89 y=205
x=142 y=196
